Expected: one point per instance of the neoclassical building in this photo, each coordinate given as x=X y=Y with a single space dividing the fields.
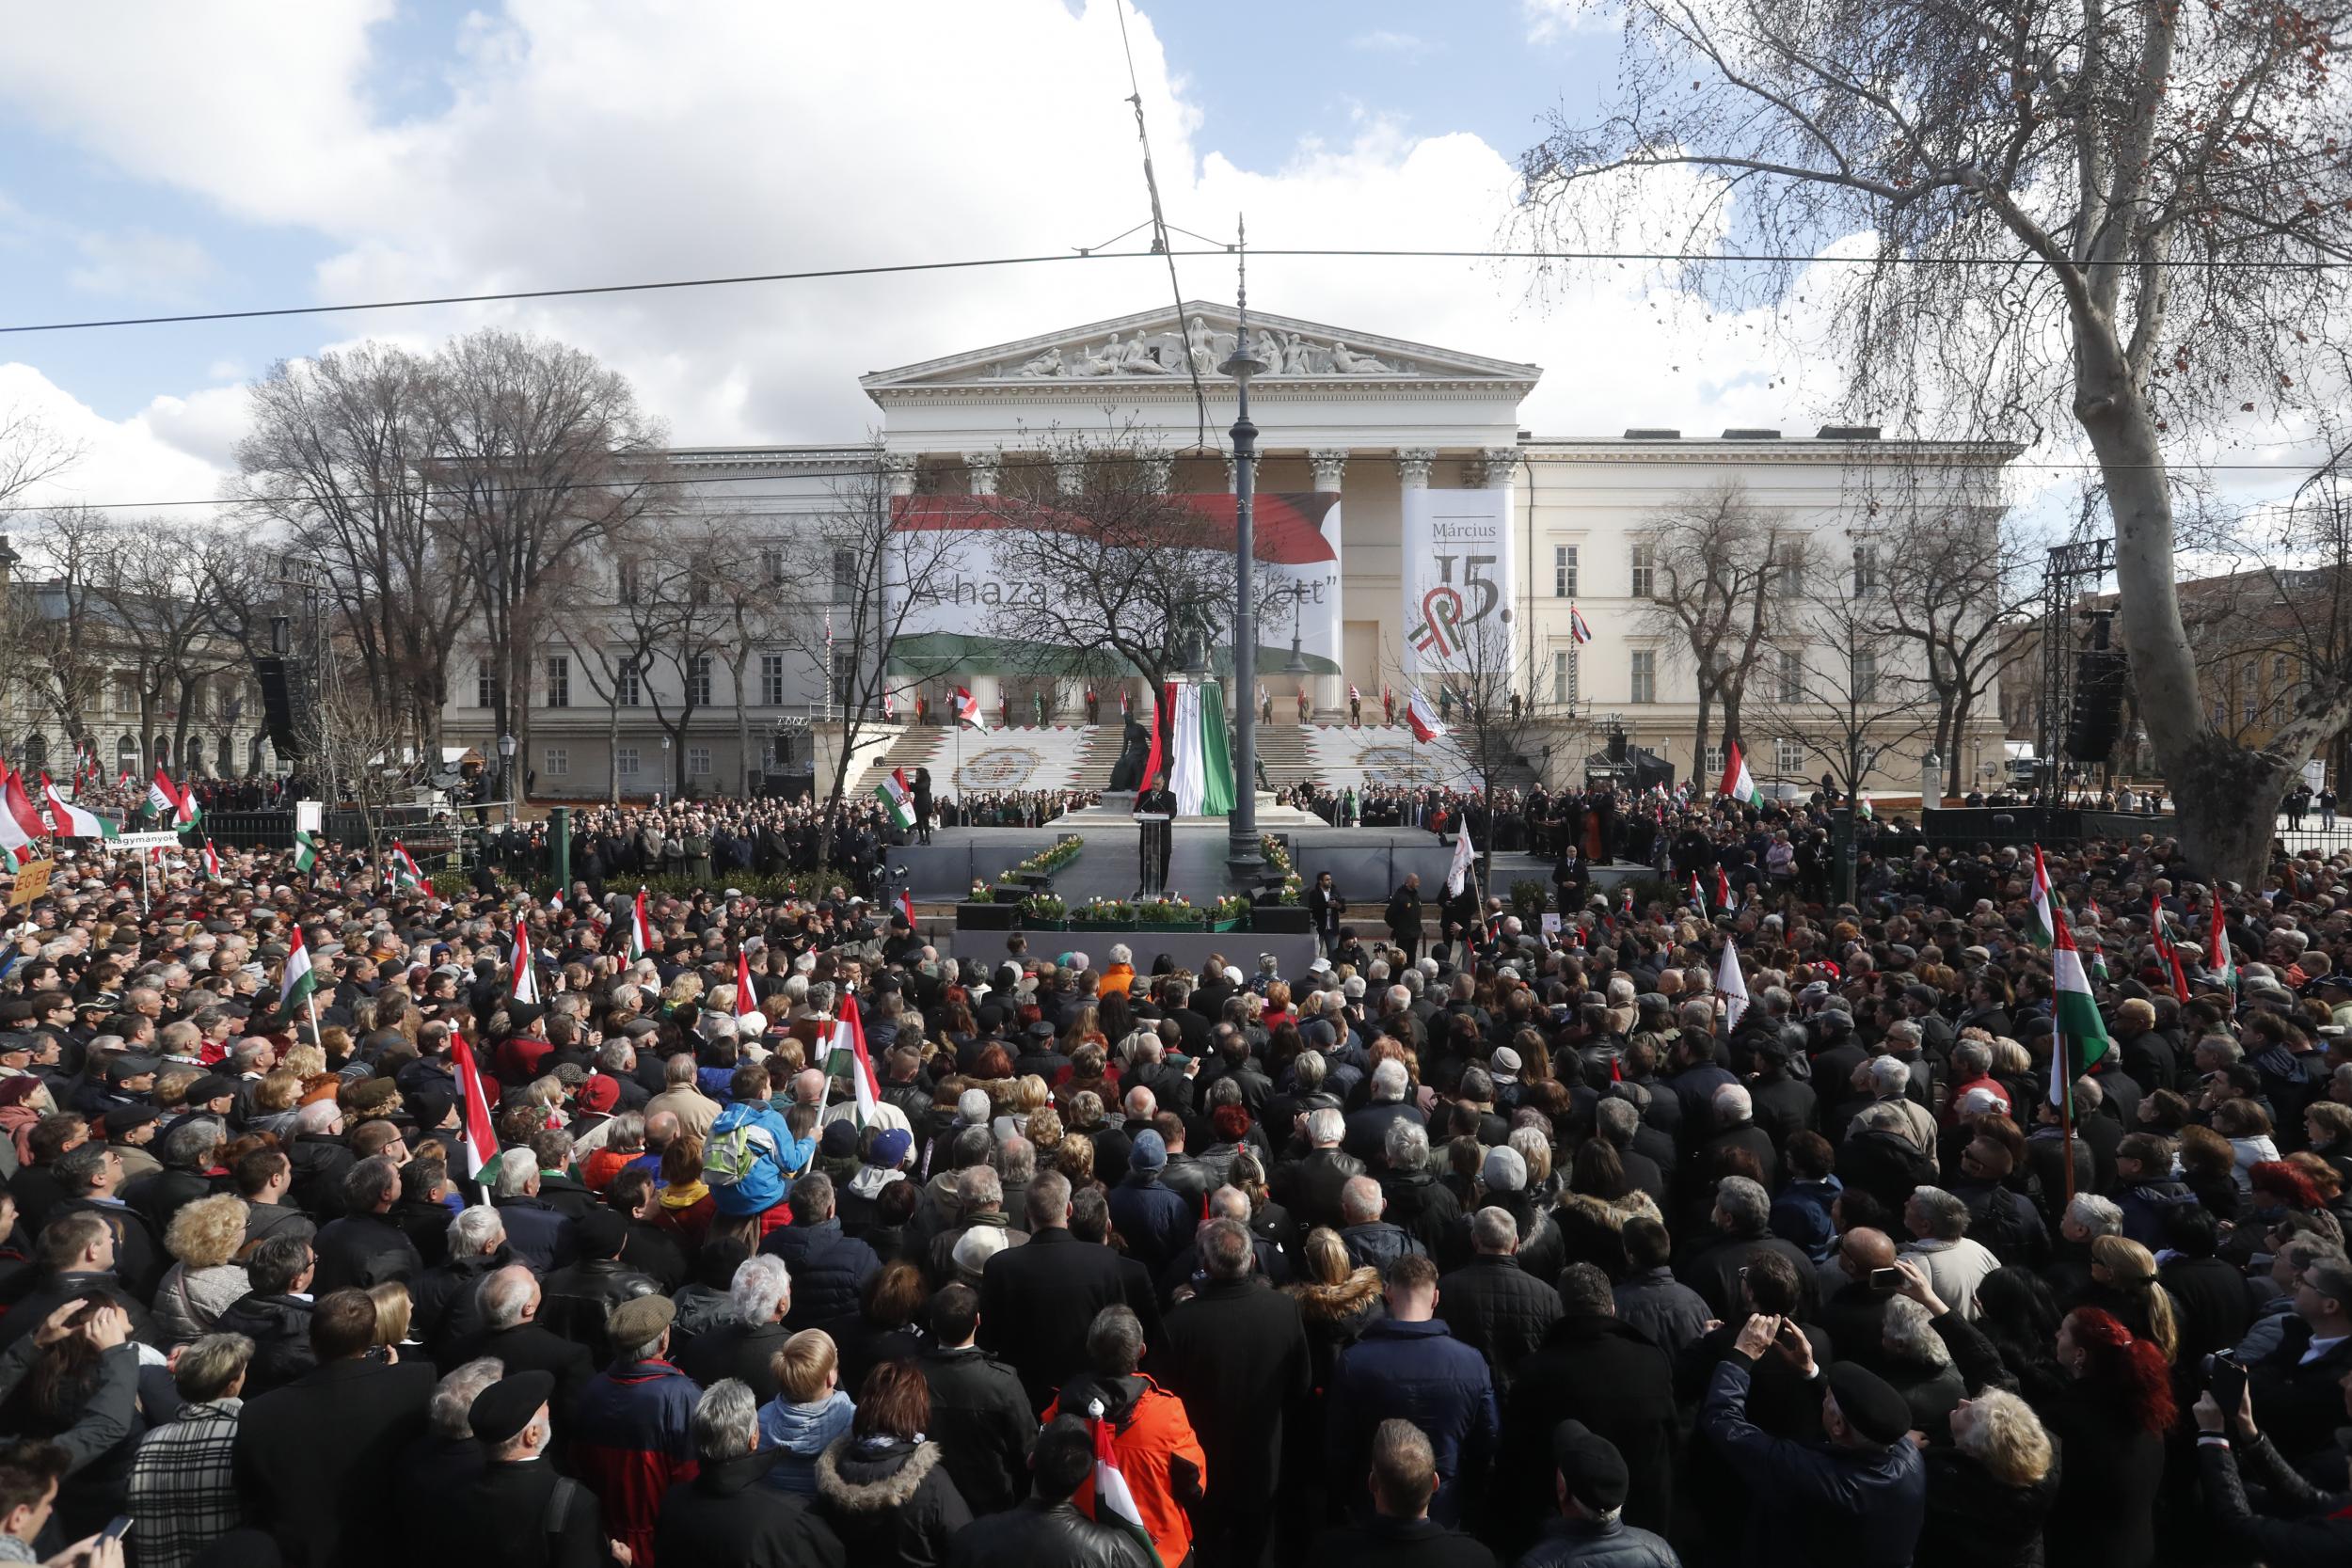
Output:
x=1406 y=436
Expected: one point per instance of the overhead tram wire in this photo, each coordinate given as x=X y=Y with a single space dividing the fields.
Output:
x=1312 y=252
x=1159 y=231
x=1009 y=463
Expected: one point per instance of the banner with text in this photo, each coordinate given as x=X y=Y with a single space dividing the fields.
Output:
x=1460 y=579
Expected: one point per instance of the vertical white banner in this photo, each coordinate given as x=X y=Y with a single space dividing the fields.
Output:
x=1460 y=579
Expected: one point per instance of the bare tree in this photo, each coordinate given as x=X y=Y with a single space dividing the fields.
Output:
x=609 y=631
x=31 y=453
x=1837 y=688
x=60 y=639
x=538 y=454
x=2119 y=220
x=158 y=583
x=1713 y=555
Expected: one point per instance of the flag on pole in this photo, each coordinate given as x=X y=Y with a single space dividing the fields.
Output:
x=2039 y=902
x=305 y=851
x=748 y=1018
x=2218 y=945
x=1457 y=873
x=185 y=812
x=1200 y=767
x=896 y=798
x=1723 y=889
x=968 y=710
x=1577 y=631
x=2165 y=951
x=478 y=1144
x=1422 y=718
x=1738 y=783
x=1862 y=808
x=526 y=986
x=2099 y=964
x=906 y=906
x=14 y=836
x=404 y=870
x=847 y=1059
x=298 y=982
x=1107 y=1501
x=640 y=928
x=2078 y=1035
x=890 y=708
x=1732 y=986
x=1698 y=899
x=162 y=800
x=66 y=821
x=212 y=862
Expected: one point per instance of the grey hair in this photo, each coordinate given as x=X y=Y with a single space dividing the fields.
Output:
x=1307 y=1071
x=317 y=1116
x=1745 y=1202
x=1618 y=1120
x=628 y=1132
x=477 y=1229
x=1733 y=1104
x=1121 y=953
x=726 y=1421
x=2101 y=1216
x=207 y=1368
x=1017 y=1158
x=1326 y=1126
x=512 y=1173
x=450 y=1411
x=1360 y=1200
x=506 y=1295
x=1903 y=1030
x=1389 y=1081
x=1225 y=1248
x=1889 y=1076
x=1407 y=1145
x=1946 y=1215
x=761 y=1284
x=979 y=1187
x=1494 y=1230
x=1907 y=1327
x=1970 y=1060
x=190 y=1145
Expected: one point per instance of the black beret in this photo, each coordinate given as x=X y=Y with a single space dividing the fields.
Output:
x=1591 y=1465
x=1870 y=1403
x=507 y=1406
x=119 y=1119
x=599 y=1232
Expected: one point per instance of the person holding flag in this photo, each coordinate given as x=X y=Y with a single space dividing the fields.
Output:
x=2078 y=1036
x=2217 y=955
x=1738 y=783
x=847 y=1061
x=2040 y=904
x=640 y=927
x=477 y=1144
x=526 y=970
x=297 y=983
x=2166 y=953
x=749 y=1019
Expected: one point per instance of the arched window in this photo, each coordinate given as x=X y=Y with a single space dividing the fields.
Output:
x=192 y=757
x=226 y=755
x=253 y=756
x=159 y=753
x=36 y=754
x=127 y=757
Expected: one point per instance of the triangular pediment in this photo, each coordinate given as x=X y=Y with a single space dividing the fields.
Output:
x=1166 y=345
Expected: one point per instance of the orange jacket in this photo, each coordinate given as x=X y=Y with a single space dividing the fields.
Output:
x=1154 y=1446
x=1117 y=977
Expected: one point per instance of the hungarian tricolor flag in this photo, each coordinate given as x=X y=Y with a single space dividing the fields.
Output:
x=1738 y=783
x=212 y=861
x=1422 y=718
x=1578 y=630
x=405 y=871
x=1723 y=889
x=896 y=798
x=2218 y=945
x=299 y=982
x=968 y=709
x=162 y=801
x=747 y=1014
x=1107 y=1501
x=1458 y=873
x=1199 y=765
x=306 y=851
x=640 y=927
x=16 y=833
x=1862 y=808
x=72 y=821
x=847 y=1059
x=526 y=980
x=185 y=812
x=478 y=1145
x=2044 y=931
x=2165 y=952
x=1731 y=986
x=2078 y=1035
x=1698 y=899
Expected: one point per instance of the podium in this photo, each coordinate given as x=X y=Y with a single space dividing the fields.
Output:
x=1151 y=847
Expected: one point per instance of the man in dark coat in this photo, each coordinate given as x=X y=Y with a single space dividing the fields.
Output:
x=1408 y=1364
x=1047 y=1530
x=980 y=1416
x=830 y=1268
x=1153 y=1218
x=1236 y=1354
x=1492 y=1304
x=275 y=1314
x=744 y=1347
x=1403 y=915
x=1591 y=1368
x=1038 y=1300
x=1404 y=1477
x=575 y=1301
x=310 y=1458
x=512 y=1332
x=364 y=1249
x=521 y=1511
x=1741 y=1216
x=729 y=1512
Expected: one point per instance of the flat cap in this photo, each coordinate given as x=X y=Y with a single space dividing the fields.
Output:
x=1870 y=1403
x=639 y=1320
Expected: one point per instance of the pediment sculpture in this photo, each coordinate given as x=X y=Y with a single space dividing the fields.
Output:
x=1199 y=347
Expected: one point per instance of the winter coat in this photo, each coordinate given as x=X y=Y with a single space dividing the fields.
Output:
x=1039 y=1534
x=799 y=1433
x=1713 y=1270
x=762 y=1186
x=2300 y=1526
x=445 y=1307
x=726 y=1515
x=1591 y=1229
x=830 y=1269
x=2145 y=1206
x=574 y=1301
x=1154 y=1219
x=190 y=1302
x=279 y=1327
x=537 y=1231
x=1376 y=1243
x=1420 y=1205
x=1861 y=1507
x=1420 y=1372
x=1667 y=1312
x=1155 y=1447
x=1607 y=1374
x=984 y=1422
x=1336 y=1316
x=890 y=1501
x=1038 y=1300
x=729 y=1348
x=1977 y=1521
x=1583 y=1544
x=631 y=1439
x=1238 y=1355
x=2103 y=1515
x=1500 y=1310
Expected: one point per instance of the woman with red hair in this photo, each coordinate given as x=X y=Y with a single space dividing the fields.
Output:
x=2110 y=1419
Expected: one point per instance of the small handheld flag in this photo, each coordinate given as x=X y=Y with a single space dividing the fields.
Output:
x=2039 y=902
x=1738 y=783
x=747 y=1014
x=478 y=1143
x=2218 y=945
x=640 y=928
x=162 y=800
x=896 y=798
x=305 y=851
x=212 y=862
x=847 y=1059
x=1463 y=855
x=2078 y=1035
x=1732 y=986
x=526 y=986
x=906 y=906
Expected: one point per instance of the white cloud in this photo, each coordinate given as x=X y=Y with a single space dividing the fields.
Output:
x=162 y=453
x=1548 y=19
x=1387 y=40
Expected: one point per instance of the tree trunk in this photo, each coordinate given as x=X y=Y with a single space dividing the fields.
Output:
x=1954 y=774
x=1698 y=736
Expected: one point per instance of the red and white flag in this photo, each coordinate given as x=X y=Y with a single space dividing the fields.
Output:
x=526 y=986
x=906 y=906
x=477 y=1142
x=847 y=1059
x=968 y=709
x=1422 y=718
x=212 y=862
x=1577 y=631
x=162 y=799
x=1723 y=889
x=747 y=1014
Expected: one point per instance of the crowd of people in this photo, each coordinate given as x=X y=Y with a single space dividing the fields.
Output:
x=1552 y=1251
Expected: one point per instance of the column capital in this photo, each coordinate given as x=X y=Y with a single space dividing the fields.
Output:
x=981 y=468
x=1329 y=464
x=1498 y=466
x=1412 y=465
x=898 y=470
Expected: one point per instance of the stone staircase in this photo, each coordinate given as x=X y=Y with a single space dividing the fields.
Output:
x=917 y=746
x=1284 y=751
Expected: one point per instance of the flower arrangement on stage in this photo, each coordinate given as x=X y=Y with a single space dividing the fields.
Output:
x=1043 y=906
x=1061 y=853
x=1228 y=912
x=1170 y=909
x=1110 y=915
x=1277 y=859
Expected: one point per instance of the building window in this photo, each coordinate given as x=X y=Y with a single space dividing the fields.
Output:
x=1791 y=675
x=628 y=578
x=1644 y=683
x=1711 y=767
x=486 y=683
x=1563 y=674
x=1564 y=571
x=625 y=761
x=771 y=679
x=1788 y=755
x=558 y=681
x=2253 y=705
x=1645 y=568
x=844 y=673
x=126 y=697
x=628 y=691
x=698 y=762
x=1865 y=674
x=556 y=762
x=772 y=564
x=2277 y=667
x=1865 y=570
x=845 y=577
x=698 y=679
x=1788 y=568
